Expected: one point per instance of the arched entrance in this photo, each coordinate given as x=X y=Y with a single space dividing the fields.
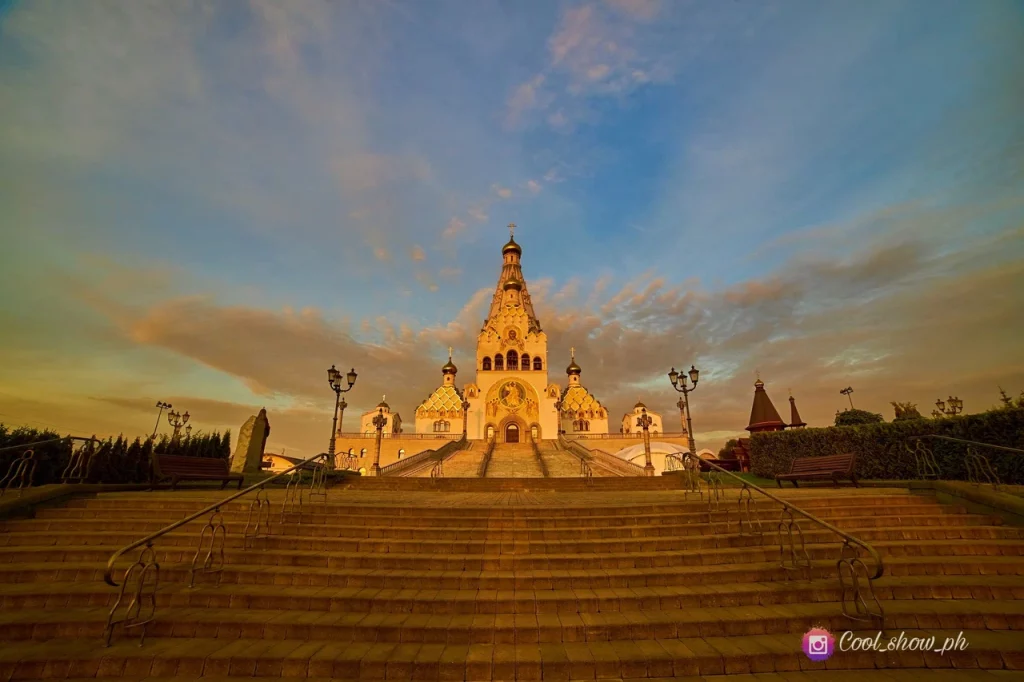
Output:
x=512 y=432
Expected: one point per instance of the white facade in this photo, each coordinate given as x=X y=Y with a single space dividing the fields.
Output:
x=392 y=422
x=630 y=418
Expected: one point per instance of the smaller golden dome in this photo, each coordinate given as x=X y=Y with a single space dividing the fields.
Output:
x=512 y=246
x=513 y=283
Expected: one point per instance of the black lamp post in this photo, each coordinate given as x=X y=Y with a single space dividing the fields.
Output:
x=951 y=407
x=678 y=380
x=163 y=406
x=848 y=392
x=334 y=378
x=465 y=414
x=177 y=420
x=644 y=421
x=378 y=421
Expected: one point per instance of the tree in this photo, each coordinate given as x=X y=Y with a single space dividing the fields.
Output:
x=727 y=448
x=1008 y=402
x=853 y=417
x=905 y=411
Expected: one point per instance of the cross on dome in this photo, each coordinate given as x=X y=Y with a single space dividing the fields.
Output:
x=572 y=352
x=449 y=352
x=511 y=229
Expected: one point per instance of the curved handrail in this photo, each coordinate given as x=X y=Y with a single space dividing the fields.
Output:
x=108 y=574
x=968 y=442
x=606 y=460
x=422 y=457
x=879 y=566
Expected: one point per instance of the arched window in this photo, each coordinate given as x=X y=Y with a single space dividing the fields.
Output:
x=586 y=425
x=513 y=360
x=499 y=362
x=526 y=362
x=401 y=453
x=536 y=364
x=362 y=453
x=575 y=425
x=487 y=365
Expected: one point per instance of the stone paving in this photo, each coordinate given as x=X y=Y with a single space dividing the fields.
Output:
x=554 y=581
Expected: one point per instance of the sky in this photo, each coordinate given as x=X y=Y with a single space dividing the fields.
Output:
x=210 y=203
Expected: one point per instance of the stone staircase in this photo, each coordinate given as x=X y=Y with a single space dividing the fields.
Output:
x=466 y=463
x=569 y=583
x=513 y=460
x=559 y=463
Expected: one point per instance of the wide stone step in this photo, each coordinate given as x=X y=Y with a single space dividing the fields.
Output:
x=519 y=628
x=236 y=523
x=33 y=596
x=550 y=661
x=512 y=545
x=583 y=578
x=945 y=549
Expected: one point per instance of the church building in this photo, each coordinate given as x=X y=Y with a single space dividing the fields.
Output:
x=512 y=398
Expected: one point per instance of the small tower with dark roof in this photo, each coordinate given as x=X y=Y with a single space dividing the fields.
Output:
x=573 y=370
x=763 y=415
x=795 y=422
x=449 y=370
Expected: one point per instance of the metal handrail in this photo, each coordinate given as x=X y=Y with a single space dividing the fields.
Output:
x=979 y=469
x=879 y=567
x=147 y=541
x=968 y=442
x=421 y=457
x=23 y=469
x=605 y=460
x=540 y=460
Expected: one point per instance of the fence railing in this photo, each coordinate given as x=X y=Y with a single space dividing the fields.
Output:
x=541 y=464
x=855 y=578
x=979 y=468
x=21 y=472
x=143 y=576
x=403 y=436
x=637 y=435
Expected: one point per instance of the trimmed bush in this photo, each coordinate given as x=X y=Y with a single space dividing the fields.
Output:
x=114 y=461
x=879 y=447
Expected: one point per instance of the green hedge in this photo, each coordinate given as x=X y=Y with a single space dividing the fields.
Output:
x=879 y=450
x=115 y=460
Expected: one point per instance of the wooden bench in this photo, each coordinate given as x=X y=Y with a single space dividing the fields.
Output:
x=833 y=467
x=182 y=468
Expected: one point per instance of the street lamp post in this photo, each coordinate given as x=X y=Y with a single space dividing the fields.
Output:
x=188 y=432
x=950 y=407
x=378 y=421
x=163 y=406
x=644 y=421
x=678 y=380
x=334 y=379
x=177 y=420
x=848 y=393
x=465 y=414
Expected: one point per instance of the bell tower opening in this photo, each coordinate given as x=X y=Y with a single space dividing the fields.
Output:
x=512 y=433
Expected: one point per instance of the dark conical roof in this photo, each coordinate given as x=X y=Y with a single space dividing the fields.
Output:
x=763 y=415
x=794 y=417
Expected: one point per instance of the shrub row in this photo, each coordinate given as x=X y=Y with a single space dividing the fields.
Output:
x=113 y=460
x=879 y=447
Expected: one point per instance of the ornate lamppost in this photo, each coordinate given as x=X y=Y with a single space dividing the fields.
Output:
x=678 y=380
x=188 y=432
x=465 y=414
x=177 y=420
x=644 y=421
x=334 y=378
x=951 y=407
x=847 y=392
x=378 y=421
x=163 y=406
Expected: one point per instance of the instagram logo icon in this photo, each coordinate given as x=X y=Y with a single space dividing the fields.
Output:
x=819 y=644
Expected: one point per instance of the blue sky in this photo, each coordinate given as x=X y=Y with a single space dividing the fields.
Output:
x=207 y=201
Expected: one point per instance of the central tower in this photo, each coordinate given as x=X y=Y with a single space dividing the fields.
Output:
x=512 y=400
